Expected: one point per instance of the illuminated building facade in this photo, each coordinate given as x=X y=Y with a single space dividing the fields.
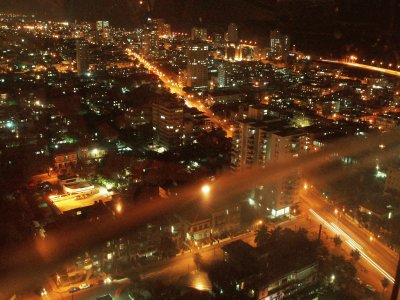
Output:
x=197 y=65
x=150 y=41
x=258 y=142
x=102 y=25
x=168 y=122
x=82 y=56
x=199 y=34
x=279 y=44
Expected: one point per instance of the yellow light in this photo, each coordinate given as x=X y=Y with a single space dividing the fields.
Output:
x=305 y=186
x=103 y=191
x=205 y=189
x=118 y=208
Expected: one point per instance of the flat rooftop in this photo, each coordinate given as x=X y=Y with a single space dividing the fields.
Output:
x=71 y=202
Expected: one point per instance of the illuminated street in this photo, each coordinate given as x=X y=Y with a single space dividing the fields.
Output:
x=364 y=67
x=190 y=101
x=205 y=150
x=378 y=259
x=115 y=289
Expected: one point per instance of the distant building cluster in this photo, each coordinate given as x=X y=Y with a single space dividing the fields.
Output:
x=96 y=119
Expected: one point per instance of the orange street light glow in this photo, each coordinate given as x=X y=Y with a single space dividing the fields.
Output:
x=205 y=189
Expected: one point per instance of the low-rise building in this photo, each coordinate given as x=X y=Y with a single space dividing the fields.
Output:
x=224 y=96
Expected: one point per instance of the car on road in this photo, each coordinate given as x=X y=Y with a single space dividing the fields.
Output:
x=85 y=286
x=73 y=289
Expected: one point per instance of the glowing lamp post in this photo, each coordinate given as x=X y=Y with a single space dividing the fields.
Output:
x=205 y=189
x=118 y=208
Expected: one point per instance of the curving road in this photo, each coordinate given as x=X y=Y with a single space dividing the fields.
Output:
x=362 y=66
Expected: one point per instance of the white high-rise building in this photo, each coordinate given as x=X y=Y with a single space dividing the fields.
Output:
x=259 y=141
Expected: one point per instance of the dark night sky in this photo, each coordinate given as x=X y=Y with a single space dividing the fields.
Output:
x=364 y=26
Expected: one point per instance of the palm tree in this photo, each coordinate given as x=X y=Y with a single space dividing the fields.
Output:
x=385 y=283
x=355 y=254
x=337 y=240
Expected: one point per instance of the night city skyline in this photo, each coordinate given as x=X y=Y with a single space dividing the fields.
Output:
x=214 y=149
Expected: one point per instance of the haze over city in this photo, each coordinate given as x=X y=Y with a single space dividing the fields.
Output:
x=188 y=149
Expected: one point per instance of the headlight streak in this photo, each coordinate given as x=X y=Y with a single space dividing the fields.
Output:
x=352 y=244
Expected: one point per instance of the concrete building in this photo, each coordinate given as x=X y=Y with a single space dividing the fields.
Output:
x=150 y=41
x=222 y=74
x=65 y=162
x=199 y=34
x=102 y=25
x=279 y=44
x=82 y=56
x=232 y=33
x=224 y=96
x=168 y=122
x=197 y=65
x=260 y=141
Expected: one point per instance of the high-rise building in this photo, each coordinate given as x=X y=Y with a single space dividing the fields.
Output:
x=150 y=42
x=82 y=56
x=217 y=39
x=103 y=29
x=222 y=74
x=165 y=30
x=168 y=122
x=259 y=141
x=197 y=65
x=199 y=34
x=232 y=34
x=279 y=44
x=102 y=25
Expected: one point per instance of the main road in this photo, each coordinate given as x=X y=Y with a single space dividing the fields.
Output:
x=175 y=88
x=362 y=66
x=376 y=257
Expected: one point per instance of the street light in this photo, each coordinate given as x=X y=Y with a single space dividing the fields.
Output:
x=205 y=189
x=333 y=278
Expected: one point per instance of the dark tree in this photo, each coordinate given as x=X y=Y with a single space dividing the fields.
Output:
x=355 y=254
x=167 y=245
x=262 y=237
x=337 y=240
x=385 y=283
